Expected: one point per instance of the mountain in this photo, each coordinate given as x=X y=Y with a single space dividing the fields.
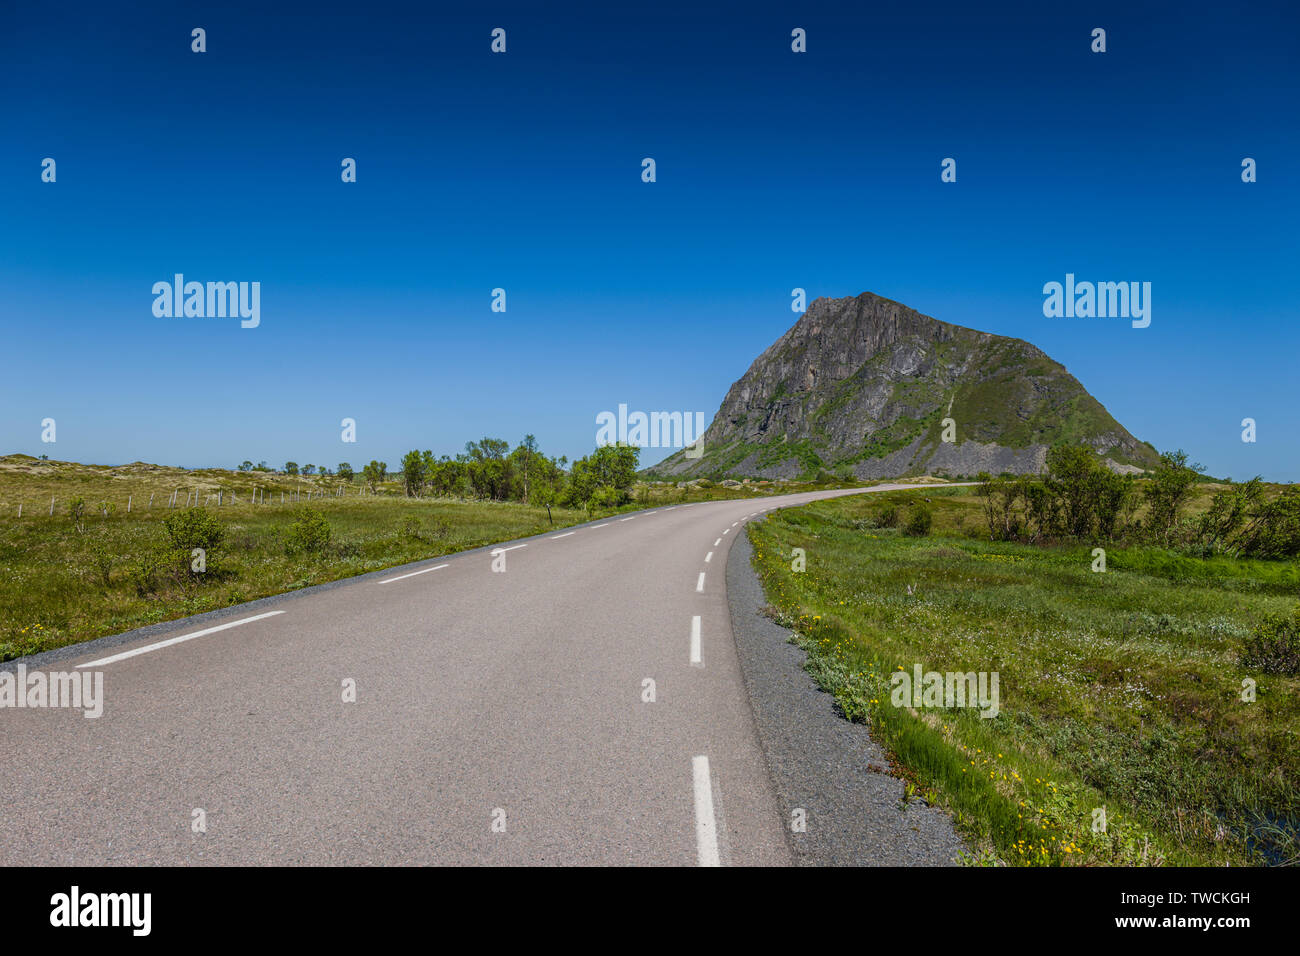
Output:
x=865 y=384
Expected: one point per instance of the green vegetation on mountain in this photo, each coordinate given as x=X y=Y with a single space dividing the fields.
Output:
x=866 y=385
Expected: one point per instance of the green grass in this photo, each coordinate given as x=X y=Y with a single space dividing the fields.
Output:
x=1119 y=689
x=53 y=591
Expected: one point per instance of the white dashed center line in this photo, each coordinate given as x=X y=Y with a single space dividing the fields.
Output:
x=706 y=831
x=557 y=537
x=718 y=542
x=699 y=585
x=695 y=640
x=708 y=557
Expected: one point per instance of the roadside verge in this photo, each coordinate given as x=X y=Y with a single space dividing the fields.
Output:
x=819 y=762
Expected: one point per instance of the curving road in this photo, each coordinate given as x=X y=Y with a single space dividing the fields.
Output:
x=500 y=718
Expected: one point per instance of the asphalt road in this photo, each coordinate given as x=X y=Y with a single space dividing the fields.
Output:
x=501 y=717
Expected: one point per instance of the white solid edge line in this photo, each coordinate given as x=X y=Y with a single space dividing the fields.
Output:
x=402 y=577
x=565 y=535
x=699 y=585
x=706 y=830
x=708 y=557
x=695 y=640
x=177 y=640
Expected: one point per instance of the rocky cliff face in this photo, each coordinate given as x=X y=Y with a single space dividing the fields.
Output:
x=868 y=385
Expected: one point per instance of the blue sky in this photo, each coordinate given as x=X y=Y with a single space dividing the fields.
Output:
x=522 y=171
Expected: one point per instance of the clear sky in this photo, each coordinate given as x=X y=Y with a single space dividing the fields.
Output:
x=522 y=171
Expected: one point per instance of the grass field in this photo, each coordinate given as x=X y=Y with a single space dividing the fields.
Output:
x=60 y=585
x=1120 y=690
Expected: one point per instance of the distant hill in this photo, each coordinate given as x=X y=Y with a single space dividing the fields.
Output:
x=33 y=481
x=866 y=383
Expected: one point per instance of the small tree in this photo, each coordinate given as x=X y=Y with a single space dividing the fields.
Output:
x=291 y=468
x=489 y=471
x=413 y=473
x=1070 y=476
x=374 y=473
x=345 y=471
x=526 y=453
x=611 y=467
x=1274 y=530
x=1168 y=492
x=77 y=512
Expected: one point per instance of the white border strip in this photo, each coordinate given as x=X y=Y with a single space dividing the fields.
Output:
x=403 y=577
x=177 y=640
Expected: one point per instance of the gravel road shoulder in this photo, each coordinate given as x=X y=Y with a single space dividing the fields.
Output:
x=819 y=761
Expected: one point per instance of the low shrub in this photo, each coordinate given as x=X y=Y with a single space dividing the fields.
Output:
x=194 y=528
x=309 y=533
x=1274 y=646
x=918 y=522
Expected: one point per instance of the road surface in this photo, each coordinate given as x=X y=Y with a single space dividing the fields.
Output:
x=500 y=717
